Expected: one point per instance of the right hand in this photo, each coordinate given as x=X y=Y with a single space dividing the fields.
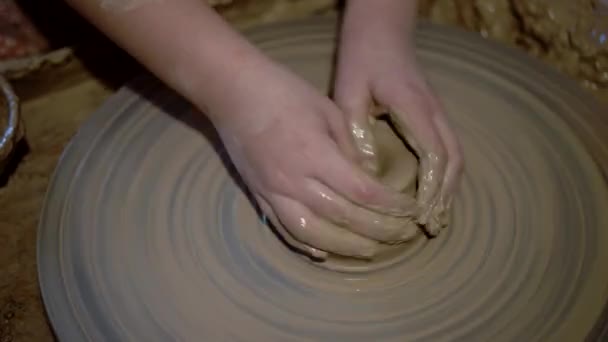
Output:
x=293 y=149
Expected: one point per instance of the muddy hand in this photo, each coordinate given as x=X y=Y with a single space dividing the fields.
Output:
x=291 y=145
x=377 y=68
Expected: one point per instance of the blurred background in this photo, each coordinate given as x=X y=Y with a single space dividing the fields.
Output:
x=61 y=69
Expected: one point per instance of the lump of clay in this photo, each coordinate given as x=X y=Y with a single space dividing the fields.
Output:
x=398 y=169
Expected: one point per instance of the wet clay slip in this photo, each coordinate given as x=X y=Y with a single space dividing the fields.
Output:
x=148 y=235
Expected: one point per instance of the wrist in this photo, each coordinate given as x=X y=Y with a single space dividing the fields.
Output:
x=379 y=21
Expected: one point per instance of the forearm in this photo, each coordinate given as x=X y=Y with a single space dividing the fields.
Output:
x=183 y=42
x=364 y=19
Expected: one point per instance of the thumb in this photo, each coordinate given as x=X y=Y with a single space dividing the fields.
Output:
x=357 y=108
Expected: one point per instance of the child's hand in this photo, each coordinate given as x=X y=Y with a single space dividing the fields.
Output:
x=377 y=65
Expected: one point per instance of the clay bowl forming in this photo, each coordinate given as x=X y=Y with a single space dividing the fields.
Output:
x=11 y=129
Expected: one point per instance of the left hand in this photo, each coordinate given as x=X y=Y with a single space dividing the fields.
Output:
x=377 y=73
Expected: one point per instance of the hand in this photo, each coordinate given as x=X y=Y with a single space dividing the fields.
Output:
x=291 y=146
x=378 y=73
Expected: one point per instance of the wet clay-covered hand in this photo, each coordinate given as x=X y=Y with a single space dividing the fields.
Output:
x=377 y=72
x=291 y=145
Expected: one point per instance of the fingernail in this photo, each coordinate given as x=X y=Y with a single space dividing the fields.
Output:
x=317 y=253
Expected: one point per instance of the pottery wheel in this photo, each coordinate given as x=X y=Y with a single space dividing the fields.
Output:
x=146 y=236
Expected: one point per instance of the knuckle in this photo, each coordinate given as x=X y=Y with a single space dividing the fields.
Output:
x=364 y=191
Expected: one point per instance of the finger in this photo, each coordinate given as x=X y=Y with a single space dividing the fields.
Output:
x=352 y=183
x=272 y=217
x=453 y=174
x=340 y=132
x=418 y=128
x=326 y=204
x=455 y=164
x=313 y=231
x=355 y=101
x=432 y=164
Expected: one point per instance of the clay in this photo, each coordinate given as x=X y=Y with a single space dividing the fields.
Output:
x=397 y=167
x=139 y=242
